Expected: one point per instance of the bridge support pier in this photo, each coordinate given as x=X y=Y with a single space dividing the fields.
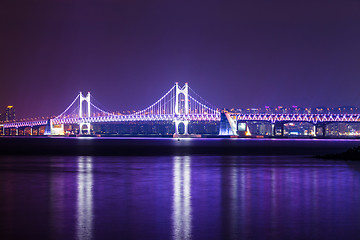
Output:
x=38 y=130
x=321 y=126
x=276 y=127
x=314 y=130
x=34 y=130
x=81 y=127
x=186 y=126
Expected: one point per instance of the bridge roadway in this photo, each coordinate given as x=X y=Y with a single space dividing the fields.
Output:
x=25 y=124
x=137 y=118
x=117 y=118
x=316 y=119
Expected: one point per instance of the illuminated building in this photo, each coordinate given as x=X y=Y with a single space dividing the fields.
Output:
x=10 y=113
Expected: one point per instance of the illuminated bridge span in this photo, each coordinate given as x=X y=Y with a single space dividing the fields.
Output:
x=179 y=105
x=311 y=118
x=25 y=124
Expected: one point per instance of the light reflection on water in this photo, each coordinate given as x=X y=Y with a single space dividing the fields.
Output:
x=84 y=198
x=57 y=192
x=234 y=202
x=180 y=197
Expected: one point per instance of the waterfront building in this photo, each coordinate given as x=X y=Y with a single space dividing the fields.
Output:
x=10 y=113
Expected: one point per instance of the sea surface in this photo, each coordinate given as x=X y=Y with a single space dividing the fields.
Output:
x=180 y=197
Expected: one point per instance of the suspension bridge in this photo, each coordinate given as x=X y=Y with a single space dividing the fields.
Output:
x=179 y=105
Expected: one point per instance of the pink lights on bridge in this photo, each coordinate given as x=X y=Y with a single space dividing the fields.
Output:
x=179 y=104
x=25 y=124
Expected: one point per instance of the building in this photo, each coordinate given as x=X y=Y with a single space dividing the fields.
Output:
x=10 y=113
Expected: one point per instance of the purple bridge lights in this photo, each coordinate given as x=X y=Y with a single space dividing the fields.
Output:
x=179 y=105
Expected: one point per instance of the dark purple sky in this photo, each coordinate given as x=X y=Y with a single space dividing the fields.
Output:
x=129 y=53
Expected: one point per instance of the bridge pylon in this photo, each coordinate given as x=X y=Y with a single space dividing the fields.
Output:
x=181 y=110
x=87 y=113
x=186 y=126
x=178 y=91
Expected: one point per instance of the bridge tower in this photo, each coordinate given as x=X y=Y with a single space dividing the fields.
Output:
x=179 y=112
x=83 y=122
x=178 y=91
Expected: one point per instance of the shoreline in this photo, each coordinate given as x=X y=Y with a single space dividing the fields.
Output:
x=352 y=154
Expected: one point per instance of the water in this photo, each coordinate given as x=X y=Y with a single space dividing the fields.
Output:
x=171 y=146
x=178 y=197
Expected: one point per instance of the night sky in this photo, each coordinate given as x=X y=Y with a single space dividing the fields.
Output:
x=129 y=53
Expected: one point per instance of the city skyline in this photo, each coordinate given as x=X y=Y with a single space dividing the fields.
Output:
x=235 y=54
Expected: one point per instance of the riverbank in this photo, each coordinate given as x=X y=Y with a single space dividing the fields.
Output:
x=352 y=154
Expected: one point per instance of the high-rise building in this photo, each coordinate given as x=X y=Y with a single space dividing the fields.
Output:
x=10 y=113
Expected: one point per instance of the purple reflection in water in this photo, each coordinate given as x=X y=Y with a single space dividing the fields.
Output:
x=84 y=198
x=184 y=197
